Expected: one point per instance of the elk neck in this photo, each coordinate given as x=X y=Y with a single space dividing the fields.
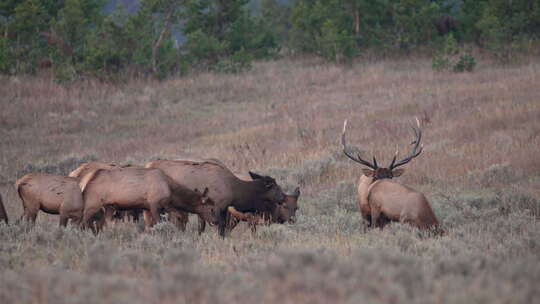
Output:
x=249 y=194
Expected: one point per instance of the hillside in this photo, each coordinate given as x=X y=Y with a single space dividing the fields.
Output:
x=480 y=171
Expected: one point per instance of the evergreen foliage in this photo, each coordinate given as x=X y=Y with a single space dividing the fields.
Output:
x=451 y=57
x=77 y=39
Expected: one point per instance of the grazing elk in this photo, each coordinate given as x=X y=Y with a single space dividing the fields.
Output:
x=225 y=188
x=141 y=188
x=3 y=214
x=89 y=167
x=179 y=218
x=279 y=213
x=53 y=194
x=282 y=213
x=381 y=200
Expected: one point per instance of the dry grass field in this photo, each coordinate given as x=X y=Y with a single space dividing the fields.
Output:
x=480 y=170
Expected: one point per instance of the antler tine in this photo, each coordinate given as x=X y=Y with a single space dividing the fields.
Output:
x=415 y=151
x=394 y=159
x=357 y=159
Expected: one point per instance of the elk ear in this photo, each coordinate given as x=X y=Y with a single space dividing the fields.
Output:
x=205 y=192
x=296 y=192
x=368 y=172
x=254 y=176
x=397 y=172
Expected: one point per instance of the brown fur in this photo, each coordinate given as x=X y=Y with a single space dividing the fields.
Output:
x=384 y=200
x=86 y=168
x=179 y=218
x=285 y=212
x=225 y=188
x=380 y=199
x=53 y=194
x=140 y=188
x=203 y=160
x=3 y=213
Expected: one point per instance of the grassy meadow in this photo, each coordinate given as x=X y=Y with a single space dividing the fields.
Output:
x=480 y=170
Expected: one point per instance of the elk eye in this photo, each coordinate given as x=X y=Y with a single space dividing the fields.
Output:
x=269 y=185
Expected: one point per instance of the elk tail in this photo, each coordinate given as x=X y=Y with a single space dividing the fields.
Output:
x=19 y=185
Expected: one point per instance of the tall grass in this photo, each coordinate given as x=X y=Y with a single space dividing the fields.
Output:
x=480 y=171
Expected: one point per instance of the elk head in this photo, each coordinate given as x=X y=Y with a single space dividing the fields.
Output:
x=287 y=210
x=391 y=171
x=270 y=190
x=205 y=199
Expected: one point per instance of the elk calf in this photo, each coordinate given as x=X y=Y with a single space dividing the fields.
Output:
x=381 y=200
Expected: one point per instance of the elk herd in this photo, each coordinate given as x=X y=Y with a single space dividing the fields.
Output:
x=96 y=193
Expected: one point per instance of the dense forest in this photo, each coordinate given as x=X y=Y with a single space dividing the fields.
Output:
x=117 y=40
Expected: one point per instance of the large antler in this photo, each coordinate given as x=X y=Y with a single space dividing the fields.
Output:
x=357 y=159
x=415 y=151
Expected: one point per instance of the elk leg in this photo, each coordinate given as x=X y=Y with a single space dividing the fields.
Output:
x=63 y=220
x=109 y=213
x=178 y=218
x=155 y=214
x=30 y=214
x=67 y=214
x=88 y=216
x=135 y=214
x=147 y=219
x=124 y=216
x=182 y=219
x=76 y=220
x=252 y=222
x=222 y=222
x=99 y=220
x=367 y=218
x=202 y=225
x=232 y=221
x=375 y=221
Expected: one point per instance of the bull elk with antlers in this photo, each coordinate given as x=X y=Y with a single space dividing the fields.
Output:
x=381 y=200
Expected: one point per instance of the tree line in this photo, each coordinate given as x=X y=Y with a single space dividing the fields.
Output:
x=77 y=39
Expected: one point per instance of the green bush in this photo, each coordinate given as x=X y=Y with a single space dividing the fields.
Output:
x=65 y=73
x=465 y=62
x=451 y=57
x=322 y=28
x=236 y=63
x=6 y=59
x=507 y=27
x=335 y=44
